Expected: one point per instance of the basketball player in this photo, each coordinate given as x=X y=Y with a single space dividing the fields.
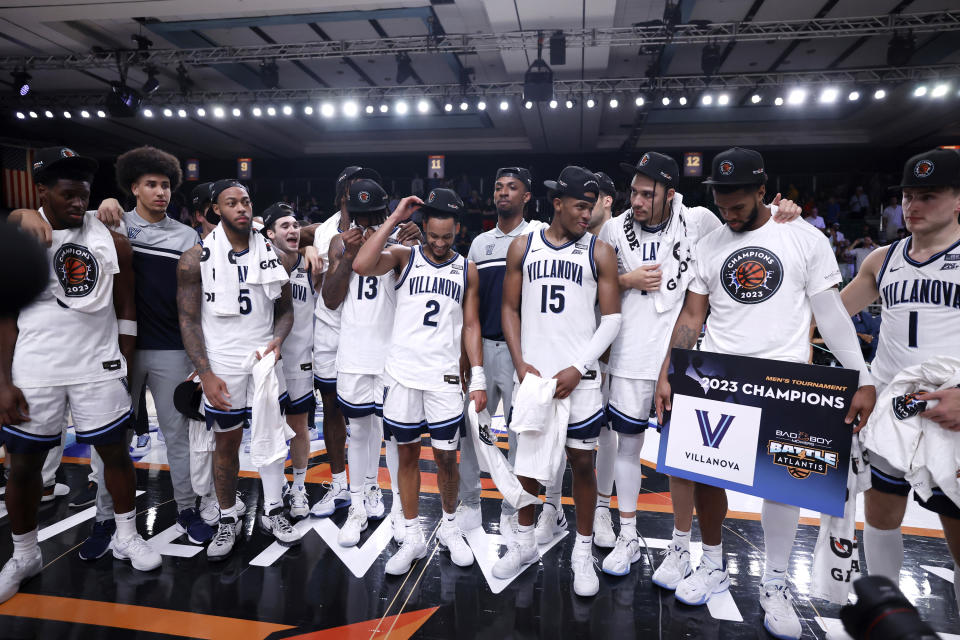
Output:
x=767 y=320
x=204 y=219
x=554 y=278
x=220 y=336
x=68 y=349
x=367 y=305
x=511 y=192
x=914 y=329
x=281 y=226
x=436 y=312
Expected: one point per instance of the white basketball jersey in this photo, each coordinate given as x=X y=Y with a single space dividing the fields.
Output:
x=297 y=349
x=428 y=323
x=921 y=309
x=57 y=345
x=230 y=339
x=366 y=324
x=558 y=294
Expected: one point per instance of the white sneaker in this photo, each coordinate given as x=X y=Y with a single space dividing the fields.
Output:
x=210 y=511
x=585 y=580
x=700 y=585
x=299 y=504
x=509 y=526
x=603 y=535
x=54 y=491
x=451 y=537
x=674 y=568
x=141 y=555
x=411 y=550
x=356 y=524
x=468 y=518
x=223 y=541
x=240 y=505
x=518 y=557
x=373 y=502
x=276 y=524
x=625 y=553
x=552 y=522
x=781 y=618
x=397 y=522
x=336 y=497
x=15 y=571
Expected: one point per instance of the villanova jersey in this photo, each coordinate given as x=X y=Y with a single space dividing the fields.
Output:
x=297 y=349
x=366 y=323
x=921 y=309
x=428 y=323
x=230 y=339
x=557 y=305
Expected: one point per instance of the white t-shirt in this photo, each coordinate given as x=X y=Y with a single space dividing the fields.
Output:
x=859 y=255
x=759 y=284
x=892 y=220
x=817 y=221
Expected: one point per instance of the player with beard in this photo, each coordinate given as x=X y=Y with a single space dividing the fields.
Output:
x=435 y=317
x=768 y=320
x=281 y=226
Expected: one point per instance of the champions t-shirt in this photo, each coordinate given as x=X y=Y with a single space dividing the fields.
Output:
x=759 y=284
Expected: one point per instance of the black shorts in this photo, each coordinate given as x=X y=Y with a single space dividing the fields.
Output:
x=939 y=503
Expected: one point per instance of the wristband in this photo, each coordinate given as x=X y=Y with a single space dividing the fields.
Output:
x=127 y=327
x=478 y=380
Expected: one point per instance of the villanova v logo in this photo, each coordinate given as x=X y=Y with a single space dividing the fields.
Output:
x=712 y=437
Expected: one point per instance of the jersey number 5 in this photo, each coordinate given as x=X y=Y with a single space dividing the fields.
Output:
x=556 y=300
x=245 y=303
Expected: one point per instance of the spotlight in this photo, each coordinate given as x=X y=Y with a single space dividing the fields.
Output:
x=797 y=96
x=940 y=90
x=528 y=105
x=151 y=84
x=853 y=96
x=665 y=101
x=147 y=113
x=100 y=113
x=504 y=105
x=257 y=112
x=591 y=103
x=218 y=112
x=48 y=113
x=182 y=113
x=308 y=110
x=723 y=100
x=569 y=103
x=350 y=109
x=829 y=95
x=755 y=98
x=327 y=110
x=86 y=114
x=682 y=101
x=778 y=101
x=638 y=101
x=553 y=104
x=706 y=100
x=879 y=94
x=21 y=82
x=464 y=106
x=401 y=107
x=481 y=106
x=122 y=101
x=236 y=112
x=269 y=74
x=920 y=91
x=614 y=103
x=168 y=112
x=369 y=108
x=67 y=115
x=201 y=112
x=271 y=111
x=384 y=108
x=423 y=106
x=20 y=115
x=33 y=114
x=287 y=110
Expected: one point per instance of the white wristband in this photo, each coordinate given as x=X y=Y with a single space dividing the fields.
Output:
x=127 y=327
x=478 y=380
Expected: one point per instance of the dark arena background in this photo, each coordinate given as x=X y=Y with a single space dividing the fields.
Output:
x=282 y=95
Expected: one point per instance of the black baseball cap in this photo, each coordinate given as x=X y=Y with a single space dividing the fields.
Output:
x=658 y=167
x=575 y=182
x=520 y=173
x=201 y=196
x=220 y=186
x=933 y=168
x=50 y=158
x=736 y=167
x=607 y=186
x=354 y=172
x=444 y=201
x=276 y=211
x=366 y=196
x=186 y=399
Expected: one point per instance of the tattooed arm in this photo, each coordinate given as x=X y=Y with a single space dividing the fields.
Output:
x=282 y=320
x=686 y=332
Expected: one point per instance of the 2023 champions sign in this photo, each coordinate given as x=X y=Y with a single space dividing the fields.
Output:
x=763 y=427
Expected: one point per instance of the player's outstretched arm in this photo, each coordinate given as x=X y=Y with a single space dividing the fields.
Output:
x=124 y=301
x=472 y=342
x=510 y=309
x=863 y=290
x=372 y=259
x=343 y=250
x=686 y=331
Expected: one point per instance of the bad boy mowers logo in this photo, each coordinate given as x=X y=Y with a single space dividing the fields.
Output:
x=751 y=275
x=923 y=169
x=76 y=269
x=726 y=168
x=645 y=159
x=363 y=196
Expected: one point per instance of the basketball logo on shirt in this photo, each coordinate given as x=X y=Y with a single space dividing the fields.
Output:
x=751 y=275
x=76 y=269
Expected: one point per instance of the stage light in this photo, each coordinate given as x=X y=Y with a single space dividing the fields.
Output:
x=682 y=101
x=879 y=94
x=447 y=107
x=151 y=84
x=101 y=113
x=591 y=103
x=33 y=114
x=504 y=105
x=308 y=110
x=528 y=105
x=147 y=113
x=201 y=112
x=287 y=110
x=778 y=101
x=723 y=100
x=920 y=91
x=384 y=108
x=271 y=111
x=665 y=101
x=829 y=95
x=20 y=115
x=86 y=114
x=401 y=107
x=481 y=106
x=67 y=115
x=853 y=96
x=21 y=82
x=638 y=101
x=940 y=90
x=236 y=112
x=797 y=96
x=350 y=109
x=464 y=106
x=257 y=112
x=182 y=113
x=218 y=112
x=167 y=112
x=553 y=104
x=327 y=110
x=48 y=113
x=122 y=101
x=423 y=106
x=755 y=98
x=369 y=108
x=614 y=103
x=569 y=103
x=706 y=100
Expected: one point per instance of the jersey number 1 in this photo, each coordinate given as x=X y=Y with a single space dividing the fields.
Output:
x=912 y=330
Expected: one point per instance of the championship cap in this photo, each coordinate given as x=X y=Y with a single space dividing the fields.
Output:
x=354 y=172
x=736 y=167
x=607 y=186
x=366 y=196
x=575 y=182
x=220 y=186
x=520 y=173
x=443 y=201
x=276 y=211
x=201 y=196
x=187 y=398
x=656 y=166
x=934 y=168
x=61 y=157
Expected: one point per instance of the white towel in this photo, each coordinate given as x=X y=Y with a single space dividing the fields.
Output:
x=540 y=422
x=265 y=269
x=269 y=432
x=493 y=462
x=84 y=263
x=533 y=406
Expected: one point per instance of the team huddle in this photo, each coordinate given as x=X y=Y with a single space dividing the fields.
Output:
x=235 y=327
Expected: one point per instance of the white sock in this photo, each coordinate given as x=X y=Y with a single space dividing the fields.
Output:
x=299 y=477
x=713 y=554
x=606 y=456
x=25 y=544
x=628 y=527
x=554 y=490
x=603 y=502
x=583 y=545
x=413 y=528
x=525 y=535
x=340 y=479
x=779 y=530
x=229 y=514
x=681 y=539
x=448 y=519
x=373 y=459
x=883 y=549
x=126 y=524
x=272 y=479
x=628 y=471
x=358 y=453
x=393 y=468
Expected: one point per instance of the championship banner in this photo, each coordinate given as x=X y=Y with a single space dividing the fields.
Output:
x=763 y=427
x=244 y=168
x=692 y=164
x=192 y=169
x=435 y=167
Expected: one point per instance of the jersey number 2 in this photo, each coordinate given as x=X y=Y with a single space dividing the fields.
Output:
x=556 y=300
x=433 y=308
